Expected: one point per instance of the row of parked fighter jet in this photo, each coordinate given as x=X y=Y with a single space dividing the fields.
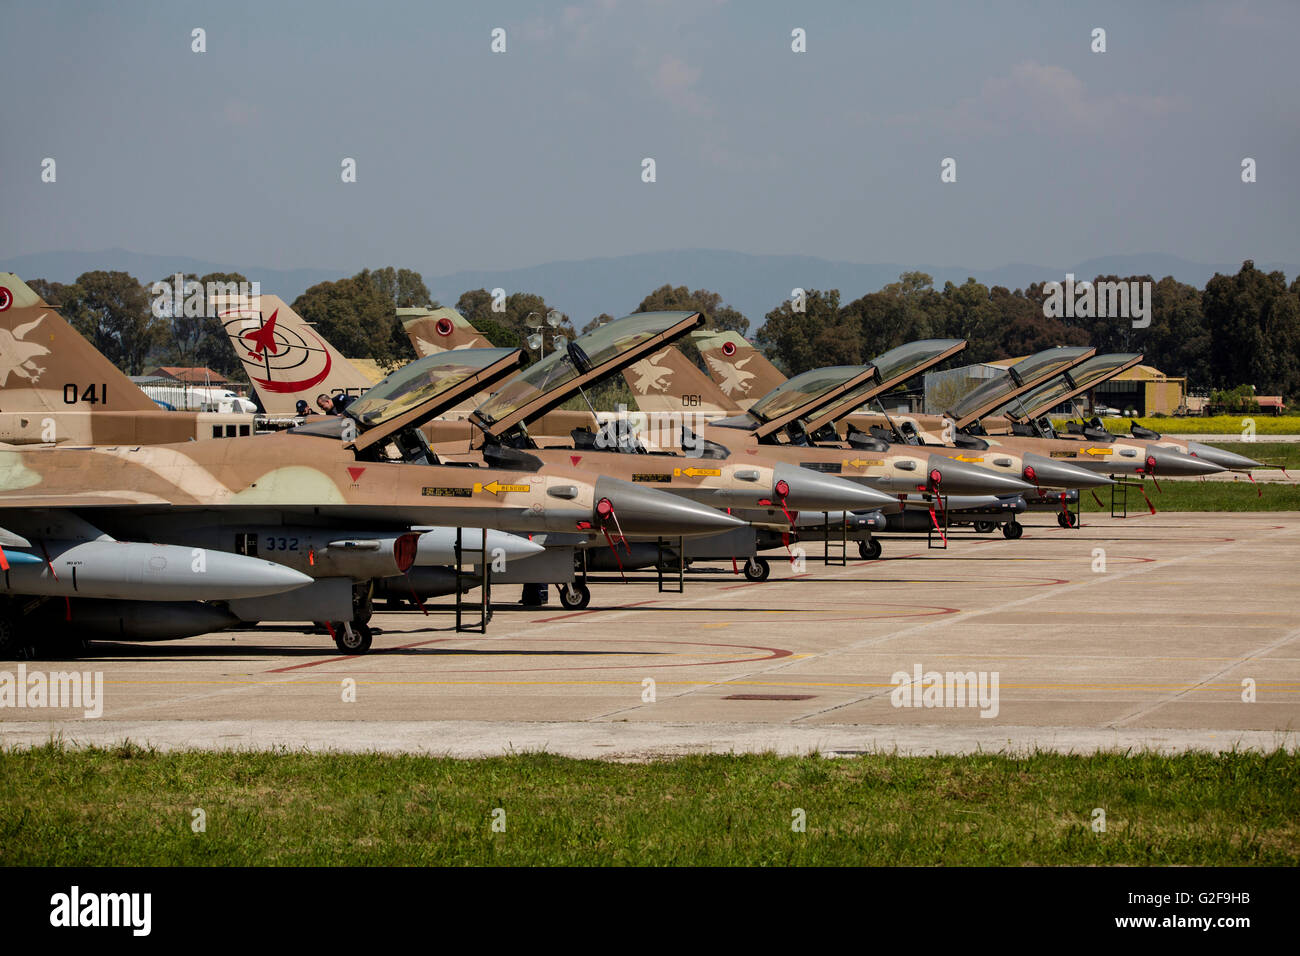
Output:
x=120 y=521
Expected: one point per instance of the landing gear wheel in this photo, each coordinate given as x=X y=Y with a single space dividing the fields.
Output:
x=869 y=550
x=575 y=598
x=1013 y=530
x=757 y=569
x=362 y=604
x=356 y=642
x=1067 y=519
x=984 y=527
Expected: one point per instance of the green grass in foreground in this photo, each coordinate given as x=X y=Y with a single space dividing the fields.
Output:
x=1215 y=425
x=1238 y=495
x=130 y=806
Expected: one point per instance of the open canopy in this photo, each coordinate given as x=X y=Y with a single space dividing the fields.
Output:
x=1026 y=374
x=1067 y=385
x=800 y=397
x=892 y=368
x=588 y=358
x=426 y=388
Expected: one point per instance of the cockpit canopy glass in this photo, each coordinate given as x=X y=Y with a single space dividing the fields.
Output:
x=601 y=345
x=421 y=382
x=1084 y=375
x=802 y=390
x=903 y=361
x=1026 y=370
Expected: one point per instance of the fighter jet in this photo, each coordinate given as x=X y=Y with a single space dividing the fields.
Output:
x=57 y=388
x=1027 y=414
x=1116 y=457
x=618 y=345
x=960 y=428
x=345 y=492
x=799 y=416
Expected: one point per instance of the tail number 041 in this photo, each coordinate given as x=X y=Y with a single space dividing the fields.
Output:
x=90 y=394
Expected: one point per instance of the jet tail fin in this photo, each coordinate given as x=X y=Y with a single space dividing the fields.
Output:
x=287 y=360
x=667 y=381
x=742 y=372
x=48 y=366
x=437 y=330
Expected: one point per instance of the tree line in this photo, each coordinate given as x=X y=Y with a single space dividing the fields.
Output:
x=1239 y=329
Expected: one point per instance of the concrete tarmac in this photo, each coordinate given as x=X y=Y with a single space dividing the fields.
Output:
x=1168 y=632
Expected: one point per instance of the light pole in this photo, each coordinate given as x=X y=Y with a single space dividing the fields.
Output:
x=538 y=339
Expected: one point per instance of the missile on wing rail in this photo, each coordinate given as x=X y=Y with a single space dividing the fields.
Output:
x=133 y=571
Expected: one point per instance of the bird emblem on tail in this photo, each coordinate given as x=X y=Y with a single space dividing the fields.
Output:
x=734 y=377
x=650 y=375
x=18 y=357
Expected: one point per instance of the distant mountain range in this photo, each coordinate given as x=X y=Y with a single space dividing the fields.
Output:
x=585 y=288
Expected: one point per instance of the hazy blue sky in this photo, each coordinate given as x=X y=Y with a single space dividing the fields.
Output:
x=469 y=159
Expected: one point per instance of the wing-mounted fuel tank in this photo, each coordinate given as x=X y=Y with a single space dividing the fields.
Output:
x=129 y=570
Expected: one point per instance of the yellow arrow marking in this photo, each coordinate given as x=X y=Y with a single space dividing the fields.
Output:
x=1097 y=451
x=697 y=472
x=964 y=458
x=863 y=462
x=496 y=488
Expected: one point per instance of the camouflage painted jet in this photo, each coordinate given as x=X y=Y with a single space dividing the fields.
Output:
x=1115 y=457
x=794 y=419
x=57 y=388
x=1032 y=376
x=342 y=495
x=505 y=417
x=1042 y=455
x=763 y=492
x=1027 y=415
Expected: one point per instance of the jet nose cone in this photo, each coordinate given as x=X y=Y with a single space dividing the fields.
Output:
x=637 y=510
x=808 y=490
x=963 y=478
x=1226 y=459
x=1054 y=473
x=1168 y=461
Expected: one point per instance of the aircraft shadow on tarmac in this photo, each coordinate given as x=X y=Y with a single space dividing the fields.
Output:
x=144 y=653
